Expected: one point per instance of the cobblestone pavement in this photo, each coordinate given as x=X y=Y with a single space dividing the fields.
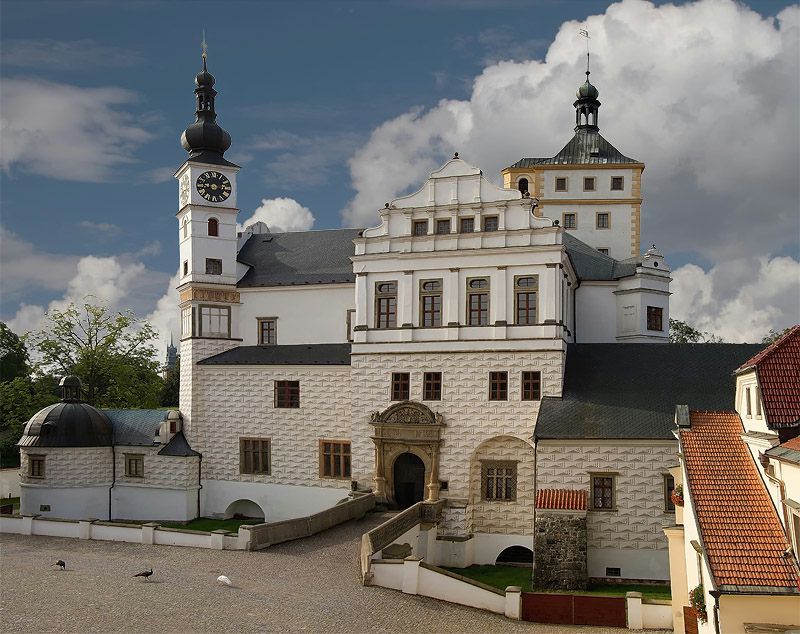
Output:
x=310 y=585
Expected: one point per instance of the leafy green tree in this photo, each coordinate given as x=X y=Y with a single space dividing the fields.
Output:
x=773 y=334
x=171 y=392
x=681 y=332
x=112 y=353
x=20 y=399
x=13 y=355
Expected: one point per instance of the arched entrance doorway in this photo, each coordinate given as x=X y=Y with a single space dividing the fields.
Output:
x=409 y=480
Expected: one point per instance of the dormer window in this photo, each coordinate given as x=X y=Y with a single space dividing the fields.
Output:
x=213 y=227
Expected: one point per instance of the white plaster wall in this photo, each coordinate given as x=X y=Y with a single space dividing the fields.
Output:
x=306 y=314
x=439 y=586
x=489 y=545
x=755 y=421
x=387 y=575
x=79 y=502
x=575 y=183
x=159 y=471
x=278 y=501
x=617 y=238
x=69 y=466
x=632 y=535
x=596 y=312
x=147 y=502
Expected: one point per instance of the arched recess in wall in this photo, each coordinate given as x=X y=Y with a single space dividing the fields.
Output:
x=516 y=556
x=522 y=185
x=244 y=509
x=213 y=227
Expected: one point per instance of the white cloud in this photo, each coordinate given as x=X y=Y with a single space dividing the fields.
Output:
x=107 y=228
x=281 y=214
x=25 y=267
x=74 y=55
x=67 y=132
x=165 y=318
x=704 y=93
x=738 y=300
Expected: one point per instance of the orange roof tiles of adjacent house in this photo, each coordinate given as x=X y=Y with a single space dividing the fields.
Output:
x=561 y=499
x=778 y=370
x=740 y=530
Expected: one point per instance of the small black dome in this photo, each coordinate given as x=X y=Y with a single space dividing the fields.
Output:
x=68 y=424
x=204 y=79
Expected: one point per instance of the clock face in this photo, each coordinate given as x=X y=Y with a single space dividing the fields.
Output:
x=213 y=186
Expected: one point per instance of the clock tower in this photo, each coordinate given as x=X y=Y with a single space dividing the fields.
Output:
x=207 y=236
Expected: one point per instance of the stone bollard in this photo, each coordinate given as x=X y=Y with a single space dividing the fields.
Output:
x=634 y=601
x=218 y=539
x=514 y=602
x=27 y=524
x=411 y=574
x=149 y=533
x=85 y=528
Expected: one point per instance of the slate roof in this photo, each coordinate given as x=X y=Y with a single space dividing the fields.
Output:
x=740 y=530
x=586 y=147
x=178 y=446
x=630 y=390
x=778 y=369
x=561 y=499
x=300 y=354
x=135 y=426
x=788 y=451
x=297 y=258
x=590 y=264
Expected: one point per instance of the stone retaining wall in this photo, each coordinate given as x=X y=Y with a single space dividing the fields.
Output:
x=560 y=551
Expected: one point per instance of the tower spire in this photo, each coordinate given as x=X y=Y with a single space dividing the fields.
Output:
x=587 y=105
x=204 y=47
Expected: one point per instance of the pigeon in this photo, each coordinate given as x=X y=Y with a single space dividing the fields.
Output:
x=224 y=580
x=146 y=574
x=61 y=564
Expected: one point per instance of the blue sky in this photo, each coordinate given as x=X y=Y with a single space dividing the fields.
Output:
x=303 y=86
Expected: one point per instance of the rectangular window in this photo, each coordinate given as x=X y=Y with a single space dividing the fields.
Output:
x=186 y=267
x=603 y=492
x=478 y=301
x=186 y=322
x=466 y=225
x=215 y=321
x=36 y=466
x=420 y=227
x=254 y=455
x=432 y=386
x=430 y=303
x=749 y=406
x=617 y=183
x=603 y=250
x=525 y=292
x=531 y=386
x=561 y=184
x=498 y=386
x=386 y=304
x=757 y=395
x=491 y=223
x=213 y=266
x=602 y=221
x=334 y=459
x=588 y=183
x=655 y=318
x=669 y=487
x=287 y=394
x=442 y=227
x=499 y=481
x=401 y=386
x=134 y=465
x=570 y=220
x=351 y=315
x=268 y=331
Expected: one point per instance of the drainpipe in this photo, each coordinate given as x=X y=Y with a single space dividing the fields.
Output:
x=113 y=477
x=715 y=594
x=535 y=472
x=199 y=482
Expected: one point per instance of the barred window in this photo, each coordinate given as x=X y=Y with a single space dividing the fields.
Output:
x=134 y=465
x=467 y=225
x=570 y=220
x=267 y=331
x=334 y=459
x=603 y=250
x=603 y=492
x=498 y=386
x=254 y=455
x=213 y=266
x=491 y=223
x=531 y=386
x=478 y=301
x=432 y=386
x=430 y=302
x=442 y=226
x=617 y=183
x=561 y=184
x=602 y=220
x=287 y=394
x=401 y=386
x=588 y=183
x=655 y=318
x=386 y=305
x=36 y=466
x=420 y=227
x=525 y=292
x=499 y=481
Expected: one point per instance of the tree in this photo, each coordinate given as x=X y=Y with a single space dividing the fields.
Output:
x=13 y=355
x=20 y=399
x=773 y=335
x=681 y=332
x=112 y=354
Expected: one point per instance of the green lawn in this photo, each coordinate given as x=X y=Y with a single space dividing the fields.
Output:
x=14 y=501
x=208 y=524
x=504 y=576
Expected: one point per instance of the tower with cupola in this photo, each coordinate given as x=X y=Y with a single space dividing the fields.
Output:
x=207 y=237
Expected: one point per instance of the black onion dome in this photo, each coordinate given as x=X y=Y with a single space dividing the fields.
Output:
x=587 y=91
x=204 y=78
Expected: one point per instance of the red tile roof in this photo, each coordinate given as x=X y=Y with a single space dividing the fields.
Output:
x=778 y=370
x=742 y=535
x=561 y=499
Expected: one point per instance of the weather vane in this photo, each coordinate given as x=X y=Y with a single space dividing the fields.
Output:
x=585 y=33
x=204 y=46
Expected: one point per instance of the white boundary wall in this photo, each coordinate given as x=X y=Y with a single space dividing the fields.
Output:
x=9 y=482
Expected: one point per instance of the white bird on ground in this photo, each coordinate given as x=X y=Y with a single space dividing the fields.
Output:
x=224 y=580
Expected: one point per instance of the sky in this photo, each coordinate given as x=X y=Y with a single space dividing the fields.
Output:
x=336 y=107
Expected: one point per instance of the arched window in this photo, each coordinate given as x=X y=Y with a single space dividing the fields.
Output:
x=523 y=185
x=213 y=227
x=185 y=227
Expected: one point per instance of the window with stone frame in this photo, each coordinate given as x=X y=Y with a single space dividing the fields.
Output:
x=491 y=223
x=602 y=492
x=401 y=386
x=655 y=318
x=478 y=301
x=430 y=303
x=669 y=487
x=432 y=386
x=186 y=322
x=287 y=394
x=498 y=386
x=466 y=225
x=561 y=183
x=351 y=315
x=213 y=266
x=254 y=455
x=617 y=183
x=602 y=220
x=442 y=227
x=134 y=465
x=215 y=321
x=525 y=293
x=531 y=385
x=186 y=267
x=386 y=305
x=588 y=183
x=499 y=481
x=420 y=227
x=36 y=466
x=267 y=331
x=334 y=459
x=569 y=220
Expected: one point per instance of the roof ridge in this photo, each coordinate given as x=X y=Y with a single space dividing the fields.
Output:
x=770 y=349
